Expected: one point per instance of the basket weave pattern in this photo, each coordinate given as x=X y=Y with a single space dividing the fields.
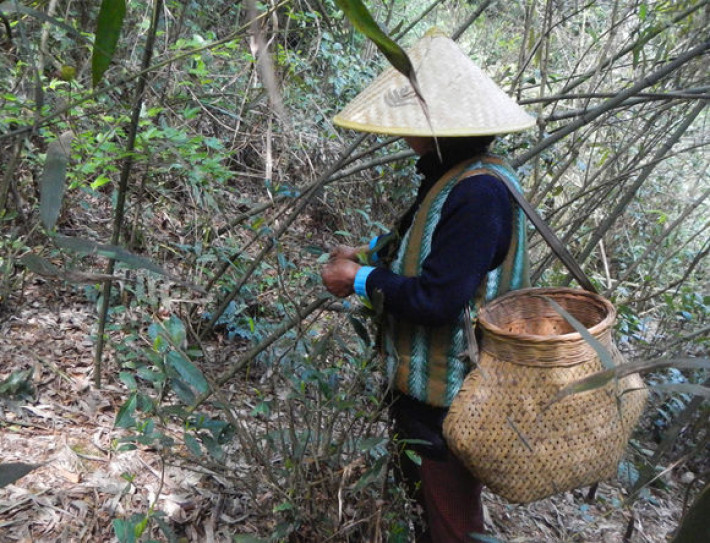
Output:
x=502 y=424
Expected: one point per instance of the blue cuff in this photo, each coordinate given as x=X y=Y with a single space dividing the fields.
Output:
x=373 y=244
x=361 y=280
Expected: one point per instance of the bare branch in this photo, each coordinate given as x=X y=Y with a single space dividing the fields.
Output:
x=645 y=82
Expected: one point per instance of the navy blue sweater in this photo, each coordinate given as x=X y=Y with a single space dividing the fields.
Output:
x=471 y=239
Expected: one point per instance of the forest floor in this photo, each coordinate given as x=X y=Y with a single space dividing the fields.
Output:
x=68 y=428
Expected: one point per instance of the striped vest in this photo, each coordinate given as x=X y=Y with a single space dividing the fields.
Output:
x=426 y=362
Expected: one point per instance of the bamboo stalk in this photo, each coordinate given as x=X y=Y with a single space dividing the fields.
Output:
x=123 y=187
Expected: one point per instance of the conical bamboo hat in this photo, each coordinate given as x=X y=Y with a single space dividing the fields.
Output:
x=461 y=99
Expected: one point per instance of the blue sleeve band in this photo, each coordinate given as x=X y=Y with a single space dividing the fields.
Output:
x=373 y=254
x=361 y=280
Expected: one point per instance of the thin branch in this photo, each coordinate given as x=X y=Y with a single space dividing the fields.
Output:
x=643 y=40
x=691 y=268
x=470 y=20
x=555 y=117
x=692 y=93
x=304 y=199
x=645 y=82
x=417 y=20
x=655 y=242
x=261 y=347
x=645 y=173
x=60 y=112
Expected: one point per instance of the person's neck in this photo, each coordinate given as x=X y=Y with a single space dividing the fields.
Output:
x=432 y=166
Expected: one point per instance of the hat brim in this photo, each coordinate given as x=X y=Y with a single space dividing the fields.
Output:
x=461 y=100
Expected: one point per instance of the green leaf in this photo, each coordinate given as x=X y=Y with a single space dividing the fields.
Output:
x=643 y=11
x=187 y=371
x=141 y=526
x=183 y=391
x=150 y=375
x=248 y=538
x=361 y=19
x=602 y=352
x=193 y=445
x=18 y=383
x=128 y=379
x=124 y=418
x=414 y=457
x=176 y=330
x=115 y=252
x=213 y=447
x=53 y=182
x=165 y=528
x=120 y=529
x=372 y=474
x=12 y=471
x=483 y=538
x=284 y=506
x=694 y=526
x=108 y=28
x=13 y=6
x=360 y=329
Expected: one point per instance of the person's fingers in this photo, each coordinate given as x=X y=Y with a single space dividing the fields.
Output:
x=338 y=277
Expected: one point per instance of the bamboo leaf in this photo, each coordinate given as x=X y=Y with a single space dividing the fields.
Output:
x=12 y=471
x=602 y=352
x=39 y=265
x=361 y=19
x=591 y=382
x=87 y=246
x=600 y=379
x=685 y=388
x=108 y=28
x=53 y=181
x=42 y=266
x=115 y=252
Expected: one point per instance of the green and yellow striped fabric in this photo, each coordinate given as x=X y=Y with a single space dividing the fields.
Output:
x=426 y=362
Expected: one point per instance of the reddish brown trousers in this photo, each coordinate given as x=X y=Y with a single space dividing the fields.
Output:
x=450 y=497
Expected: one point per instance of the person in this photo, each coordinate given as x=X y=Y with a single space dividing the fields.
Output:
x=462 y=242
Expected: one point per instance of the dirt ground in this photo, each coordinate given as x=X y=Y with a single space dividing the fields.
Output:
x=79 y=488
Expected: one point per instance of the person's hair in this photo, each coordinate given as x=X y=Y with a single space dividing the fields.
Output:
x=471 y=145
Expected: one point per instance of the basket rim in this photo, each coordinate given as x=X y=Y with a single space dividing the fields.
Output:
x=606 y=322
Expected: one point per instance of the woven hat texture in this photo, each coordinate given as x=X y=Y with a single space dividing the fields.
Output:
x=461 y=99
x=502 y=424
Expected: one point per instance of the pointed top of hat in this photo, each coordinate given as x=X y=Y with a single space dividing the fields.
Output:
x=461 y=99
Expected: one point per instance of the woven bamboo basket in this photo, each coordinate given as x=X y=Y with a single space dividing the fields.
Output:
x=502 y=424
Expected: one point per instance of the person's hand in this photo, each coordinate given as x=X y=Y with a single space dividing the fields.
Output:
x=338 y=276
x=348 y=253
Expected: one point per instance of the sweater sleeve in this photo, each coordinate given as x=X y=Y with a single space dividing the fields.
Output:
x=472 y=237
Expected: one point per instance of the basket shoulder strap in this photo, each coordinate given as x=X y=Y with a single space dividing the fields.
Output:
x=546 y=232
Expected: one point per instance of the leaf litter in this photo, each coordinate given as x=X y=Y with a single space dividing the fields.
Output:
x=83 y=484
